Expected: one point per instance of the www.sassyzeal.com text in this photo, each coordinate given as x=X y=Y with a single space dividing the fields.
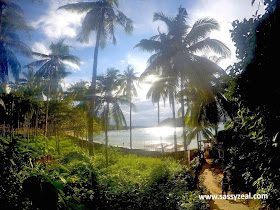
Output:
x=234 y=197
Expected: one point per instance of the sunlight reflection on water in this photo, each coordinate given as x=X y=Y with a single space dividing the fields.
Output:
x=146 y=138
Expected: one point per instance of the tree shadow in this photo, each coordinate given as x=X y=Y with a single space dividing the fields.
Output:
x=213 y=205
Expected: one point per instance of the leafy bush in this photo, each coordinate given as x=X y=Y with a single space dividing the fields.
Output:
x=252 y=157
x=83 y=182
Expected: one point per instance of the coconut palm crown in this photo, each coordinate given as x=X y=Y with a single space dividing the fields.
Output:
x=12 y=21
x=102 y=16
x=179 y=53
x=129 y=89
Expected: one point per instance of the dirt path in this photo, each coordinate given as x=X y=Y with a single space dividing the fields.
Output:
x=210 y=179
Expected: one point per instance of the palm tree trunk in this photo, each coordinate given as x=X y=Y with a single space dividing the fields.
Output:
x=130 y=124
x=158 y=113
x=36 y=122
x=47 y=108
x=18 y=125
x=4 y=130
x=183 y=119
x=58 y=145
x=106 y=135
x=93 y=86
x=198 y=146
x=162 y=149
x=28 y=126
x=24 y=127
x=174 y=120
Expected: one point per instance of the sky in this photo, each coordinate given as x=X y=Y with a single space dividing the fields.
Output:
x=51 y=25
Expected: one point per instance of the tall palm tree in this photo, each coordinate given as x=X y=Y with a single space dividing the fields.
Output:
x=12 y=21
x=159 y=89
x=101 y=17
x=128 y=88
x=53 y=69
x=184 y=42
x=108 y=102
x=165 y=87
x=158 y=64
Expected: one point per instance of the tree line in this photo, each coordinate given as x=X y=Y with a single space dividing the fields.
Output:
x=179 y=60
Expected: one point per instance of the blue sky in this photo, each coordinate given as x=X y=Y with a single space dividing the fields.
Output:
x=51 y=25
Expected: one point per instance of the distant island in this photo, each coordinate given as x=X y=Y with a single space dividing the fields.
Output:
x=169 y=122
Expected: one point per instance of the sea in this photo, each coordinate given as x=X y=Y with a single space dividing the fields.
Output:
x=151 y=139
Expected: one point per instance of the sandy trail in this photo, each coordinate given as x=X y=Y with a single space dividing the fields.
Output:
x=210 y=179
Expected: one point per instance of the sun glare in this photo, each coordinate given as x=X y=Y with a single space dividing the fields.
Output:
x=145 y=86
x=163 y=131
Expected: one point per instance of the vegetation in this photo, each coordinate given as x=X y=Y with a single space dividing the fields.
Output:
x=101 y=17
x=176 y=62
x=129 y=90
x=47 y=164
x=251 y=137
x=74 y=180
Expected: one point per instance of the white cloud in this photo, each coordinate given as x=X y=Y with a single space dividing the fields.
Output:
x=137 y=62
x=40 y=47
x=122 y=62
x=74 y=67
x=143 y=18
x=56 y=24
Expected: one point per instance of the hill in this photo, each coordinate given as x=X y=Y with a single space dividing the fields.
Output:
x=169 y=122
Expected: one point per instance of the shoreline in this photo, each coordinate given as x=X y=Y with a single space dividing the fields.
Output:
x=140 y=152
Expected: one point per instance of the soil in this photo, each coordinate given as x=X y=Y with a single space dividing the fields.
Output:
x=210 y=177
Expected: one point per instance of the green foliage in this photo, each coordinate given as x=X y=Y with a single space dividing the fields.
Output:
x=84 y=182
x=251 y=138
x=191 y=201
x=252 y=156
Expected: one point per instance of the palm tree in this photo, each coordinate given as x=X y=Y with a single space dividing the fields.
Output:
x=128 y=88
x=183 y=44
x=101 y=17
x=53 y=69
x=12 y=20
x=159 y=89
x=108 y=103
x=165 y=87
x=158 y=64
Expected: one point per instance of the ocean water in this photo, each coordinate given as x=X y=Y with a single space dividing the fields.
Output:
x=151 y=139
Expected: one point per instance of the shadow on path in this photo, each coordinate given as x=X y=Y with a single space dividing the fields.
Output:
x=211 y=177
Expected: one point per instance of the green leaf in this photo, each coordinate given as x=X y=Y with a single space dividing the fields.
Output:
x=12 y=161
x=275 y=137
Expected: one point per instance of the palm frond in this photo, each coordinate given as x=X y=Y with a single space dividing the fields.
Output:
x=71 y=58
x=15 y=8
x=125 y=22
x=210 y=44
x=190 y=134
x=169 y=21
x=149 y=45
x=18 y=46
x=14 y=64
x=41 y=55
x=201 y=30
x=116 y=2
x=207 y=67
x=36 y=63
x=81 y=7
x=90 y=23
x=118 y=115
